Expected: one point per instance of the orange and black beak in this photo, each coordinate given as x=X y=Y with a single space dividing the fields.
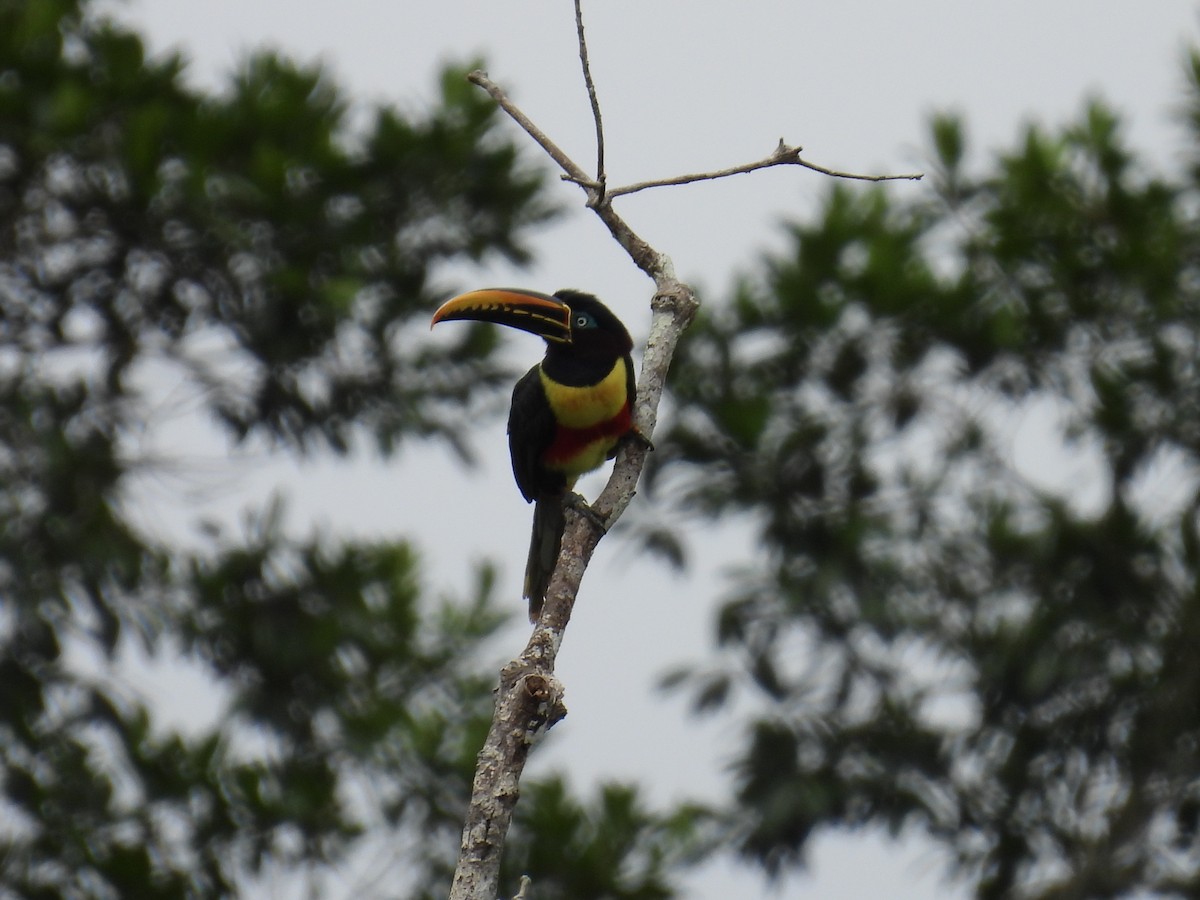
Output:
x=539 y=314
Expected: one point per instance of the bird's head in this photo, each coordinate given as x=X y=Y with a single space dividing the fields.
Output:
x=569 y=321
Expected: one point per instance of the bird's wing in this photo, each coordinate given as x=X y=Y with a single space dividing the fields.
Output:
x=530 y=431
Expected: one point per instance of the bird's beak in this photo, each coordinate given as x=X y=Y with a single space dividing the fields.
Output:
x=530 y=311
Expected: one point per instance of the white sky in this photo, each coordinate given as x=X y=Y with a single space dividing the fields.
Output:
x=684 y=86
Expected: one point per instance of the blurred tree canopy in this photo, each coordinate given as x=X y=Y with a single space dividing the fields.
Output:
x=966 y=428
x=255 y=246
x=963 y=422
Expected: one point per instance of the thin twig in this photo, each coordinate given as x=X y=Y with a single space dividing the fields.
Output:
x=644 y=256
x=601 y=176
x=556 y=153
x=909 y=176
x=782 y=156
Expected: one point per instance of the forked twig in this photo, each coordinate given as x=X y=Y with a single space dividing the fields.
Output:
x=644 y=256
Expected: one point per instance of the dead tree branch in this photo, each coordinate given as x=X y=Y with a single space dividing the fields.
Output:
x=524 y=712
x=645 y=257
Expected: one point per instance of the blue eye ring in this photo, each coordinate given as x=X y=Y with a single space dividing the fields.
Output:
x=583 y=320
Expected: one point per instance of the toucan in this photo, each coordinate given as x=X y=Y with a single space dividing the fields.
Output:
x=569 y=412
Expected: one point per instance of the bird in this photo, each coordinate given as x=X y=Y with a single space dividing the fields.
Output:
x=569 y=412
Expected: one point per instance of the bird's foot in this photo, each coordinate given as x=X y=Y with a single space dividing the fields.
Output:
x=574 y=501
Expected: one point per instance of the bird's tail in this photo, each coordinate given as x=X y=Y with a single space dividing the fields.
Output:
x=549 y=520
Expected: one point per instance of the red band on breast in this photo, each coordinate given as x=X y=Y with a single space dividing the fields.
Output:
x=570 y=442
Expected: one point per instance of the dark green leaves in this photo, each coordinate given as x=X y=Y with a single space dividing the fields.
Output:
x=257 y=219
x=958 y=618
x=610 y=847
x=274 y=265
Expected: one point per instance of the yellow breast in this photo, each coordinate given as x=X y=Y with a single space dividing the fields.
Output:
x=583 y=407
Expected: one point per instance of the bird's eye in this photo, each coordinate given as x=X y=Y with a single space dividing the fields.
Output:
x=583 y=320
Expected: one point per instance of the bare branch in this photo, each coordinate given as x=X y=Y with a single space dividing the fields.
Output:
x=529 y=698
x=528 y=703
x=643 y=255
x=782 y=156
x=601 y=176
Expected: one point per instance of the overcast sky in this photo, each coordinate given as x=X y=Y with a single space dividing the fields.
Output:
x=685 y=85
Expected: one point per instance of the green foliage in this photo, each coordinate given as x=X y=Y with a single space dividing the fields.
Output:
x=143 y=220
x=613 y=849
x=1001 y=656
